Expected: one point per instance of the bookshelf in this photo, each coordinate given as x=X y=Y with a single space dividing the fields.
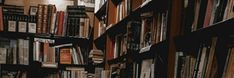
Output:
x=45 y=42
x=118 y=26
x=194 y=30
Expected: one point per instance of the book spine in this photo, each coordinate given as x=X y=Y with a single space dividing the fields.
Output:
x=45 y=18
x=40 y=18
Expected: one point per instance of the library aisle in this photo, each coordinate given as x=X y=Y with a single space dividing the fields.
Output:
x=116 y=38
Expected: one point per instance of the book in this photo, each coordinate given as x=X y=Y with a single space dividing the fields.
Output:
x=60 y=23
x=12 y=24
x=3 y=55
x=208 y=13
x=211 y=57
x=22 y=24
x=32 y=25
x=146 y=68
x=40 y=18
x=65 y=56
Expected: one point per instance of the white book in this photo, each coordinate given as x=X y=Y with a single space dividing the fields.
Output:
x=12 y=26
x=137 y=70
x=50 y=65
x=32 y=27
x=21 y=51
x=120 y=11
x=26 y=52
x=37 y=51
x=74 y=56
x=145 y=68
x=152 y=71
x=3 y=52
x=80 y=55
x=13 y=45
x=201 y=64
x=22 y=26
x=162 y=26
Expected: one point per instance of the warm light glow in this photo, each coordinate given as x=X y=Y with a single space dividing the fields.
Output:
x=60 y=4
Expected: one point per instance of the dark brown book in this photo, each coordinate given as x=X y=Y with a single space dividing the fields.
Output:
x=40 y=18
x=45 y=18
x=229 y=69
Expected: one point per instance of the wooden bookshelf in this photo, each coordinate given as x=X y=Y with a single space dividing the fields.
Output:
x=14 y=67
x=100 y=41
x=117 y=60
x=156 y=49
x=219 y=29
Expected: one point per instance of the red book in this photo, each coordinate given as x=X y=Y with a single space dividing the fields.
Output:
x=60 y=23
x=208 y=13
x=111 y=50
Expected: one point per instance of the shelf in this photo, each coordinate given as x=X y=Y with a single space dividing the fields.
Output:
x=119 y=59
x=83 y=42
x=15 y=34
x=14 y=67
x=100 y=41
x=63 y=66
x=116 y=2
x=190 y=40
x=121 y=26
x=101 y=12
x=155 y=50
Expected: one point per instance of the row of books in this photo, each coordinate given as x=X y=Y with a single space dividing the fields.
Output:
x=72 y=55
x=16 y=21
x=13 y=74
x=77 y=22
x=14 y=51
x=122 y=10
x=73 y=22
x=72 y=72
x=203 y=64
x=120 y=46
x=153 y=28
x=68 y=72
x=50 y=55
x=144 y=70
x=201 y=14
x=44 y=52
x=52 y=75
x=150 y=30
